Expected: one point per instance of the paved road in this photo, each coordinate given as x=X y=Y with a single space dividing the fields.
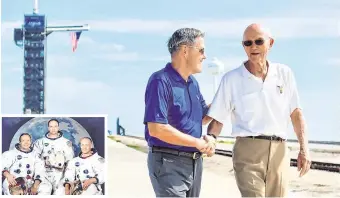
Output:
x=128 y=176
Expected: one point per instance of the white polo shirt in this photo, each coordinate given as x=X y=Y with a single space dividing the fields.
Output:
x=257 y=107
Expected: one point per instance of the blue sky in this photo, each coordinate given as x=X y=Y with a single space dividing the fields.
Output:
x=127 y=43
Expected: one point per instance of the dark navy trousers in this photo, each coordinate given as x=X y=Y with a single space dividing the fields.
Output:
x=175 y=176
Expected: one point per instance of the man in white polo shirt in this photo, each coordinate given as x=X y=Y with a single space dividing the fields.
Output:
x=262 y=99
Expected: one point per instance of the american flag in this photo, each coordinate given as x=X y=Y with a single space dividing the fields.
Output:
x=74 y=39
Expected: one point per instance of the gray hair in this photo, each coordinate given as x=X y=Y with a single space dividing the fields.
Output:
x=183 y=36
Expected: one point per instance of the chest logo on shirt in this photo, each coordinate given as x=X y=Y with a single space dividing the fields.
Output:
x=280 y=88
x=77 y=164
x=46 y=144
x=19 y=157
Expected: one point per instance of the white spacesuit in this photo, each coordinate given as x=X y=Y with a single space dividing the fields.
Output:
x=81 y=169
x=55 y=152
x=24 y=164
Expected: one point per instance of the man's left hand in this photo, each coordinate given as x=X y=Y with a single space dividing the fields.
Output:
x=212 y=145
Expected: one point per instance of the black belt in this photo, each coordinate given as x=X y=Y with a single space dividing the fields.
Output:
x=193 y=155
x=263 y=137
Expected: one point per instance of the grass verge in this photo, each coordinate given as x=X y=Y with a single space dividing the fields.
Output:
x=138 y=148
x=225 y=141
x=114 y=139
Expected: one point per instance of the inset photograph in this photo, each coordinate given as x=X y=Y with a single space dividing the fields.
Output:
x=47 y=155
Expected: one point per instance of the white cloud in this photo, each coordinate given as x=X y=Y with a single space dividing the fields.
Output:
x=11 y=99
x=10 y=60
x=86 y=40
x=315 y=8
x=17 y=69
x=70 y=95
x=161 y=58
x=134 y=25
x=68 y=89
x=111 y=47
x=64 y=95
x=89 y=41
x=7 y=28
x=59 y=62
x=232 y=44
x=128 y=56
x=232 y=62
x=334 y=61
x=281 y=27
x=230 y=28
x=57 y=39
x=11 y=64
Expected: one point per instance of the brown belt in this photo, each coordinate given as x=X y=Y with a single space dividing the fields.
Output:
x=264 y=137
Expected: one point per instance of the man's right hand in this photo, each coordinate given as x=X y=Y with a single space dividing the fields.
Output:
x=212 y=145
x=206 y=147
x=11 y=179
x=34 y=189
x=202 y=145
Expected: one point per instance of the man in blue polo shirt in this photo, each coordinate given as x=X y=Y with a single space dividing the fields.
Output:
x=174 y=114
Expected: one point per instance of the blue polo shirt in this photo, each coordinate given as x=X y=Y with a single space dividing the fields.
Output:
x=169 y=99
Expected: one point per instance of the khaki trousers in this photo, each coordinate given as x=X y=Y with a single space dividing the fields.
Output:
x=261 y=167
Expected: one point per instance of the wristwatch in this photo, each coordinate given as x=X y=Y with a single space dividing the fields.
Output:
x=214 y=136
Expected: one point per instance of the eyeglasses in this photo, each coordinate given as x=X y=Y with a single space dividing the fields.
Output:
x=249 y=43
x=200 y=50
